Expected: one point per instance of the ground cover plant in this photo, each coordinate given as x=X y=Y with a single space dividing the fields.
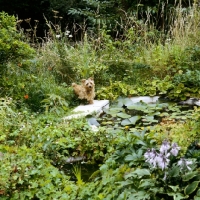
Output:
x=141 y=151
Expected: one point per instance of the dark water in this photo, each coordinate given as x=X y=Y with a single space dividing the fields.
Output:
x=86 y=170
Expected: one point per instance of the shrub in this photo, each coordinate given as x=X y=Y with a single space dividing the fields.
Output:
x=12 y=48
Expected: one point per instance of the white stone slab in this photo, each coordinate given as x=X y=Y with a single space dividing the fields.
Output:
x=84 y=110
x=145 y=99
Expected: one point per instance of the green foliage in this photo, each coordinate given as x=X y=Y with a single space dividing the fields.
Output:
x=126 y=175
x=139 y=61
x=12 y=47
x=26 y=174
x=54 y=103
x=191 y=78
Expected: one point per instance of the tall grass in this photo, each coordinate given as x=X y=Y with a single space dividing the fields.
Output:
x=140 y=42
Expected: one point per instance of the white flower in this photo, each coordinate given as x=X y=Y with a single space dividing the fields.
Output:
x=175 y=149
x=57 y=36
x=67 y=32
x=151 y=157
x=70 y=36
x=183 y=163
x=164 y=147
x=162 y=160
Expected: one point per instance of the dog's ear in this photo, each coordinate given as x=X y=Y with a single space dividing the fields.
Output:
x=83 y=80
x=91 y=78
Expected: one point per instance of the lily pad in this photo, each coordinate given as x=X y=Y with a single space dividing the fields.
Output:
x=137 y=107
x=124 y=102
x=130 y=121
x=123 y=115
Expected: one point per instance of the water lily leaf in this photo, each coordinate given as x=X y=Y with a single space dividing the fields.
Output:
x=148 y=118
x=137 y=107
x=124 y=102
x=164 y=114
x=123 y=115
x=113 y=111
x=191 y=187
x=130 y=121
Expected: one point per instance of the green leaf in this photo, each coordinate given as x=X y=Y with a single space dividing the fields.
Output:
x=198 y=193
x=189 y=176
x=130 y=121
x=124 y=101
x=177 y=196
x=191 y=187
x=174 y=172
x=174 y=188
x=123 y=115
x=147 y=183
x=138 y=173
x=140 y=195
x=137 y=107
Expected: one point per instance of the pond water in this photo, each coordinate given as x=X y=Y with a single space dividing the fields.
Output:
x=87 y=170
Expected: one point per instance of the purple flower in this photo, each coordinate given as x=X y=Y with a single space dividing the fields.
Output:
x=164 y=147
x=183 y=163
x=151 y=156
x=175 y=149
x=162 y=160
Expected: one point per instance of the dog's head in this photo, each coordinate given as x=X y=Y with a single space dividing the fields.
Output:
x=89 y=83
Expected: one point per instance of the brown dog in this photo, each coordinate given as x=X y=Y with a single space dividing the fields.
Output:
x=86 y=90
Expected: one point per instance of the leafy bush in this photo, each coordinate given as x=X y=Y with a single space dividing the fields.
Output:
x=12 y=47
x=189 y=78
x=25 y=174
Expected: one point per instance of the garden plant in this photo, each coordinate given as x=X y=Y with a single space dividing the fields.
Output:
x=140 y=151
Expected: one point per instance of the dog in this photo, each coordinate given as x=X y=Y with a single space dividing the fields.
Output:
x=86 y=90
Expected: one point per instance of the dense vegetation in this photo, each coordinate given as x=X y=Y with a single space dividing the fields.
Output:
x=141 y=151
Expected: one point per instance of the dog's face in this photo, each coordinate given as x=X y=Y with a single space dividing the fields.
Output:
x=89 y=83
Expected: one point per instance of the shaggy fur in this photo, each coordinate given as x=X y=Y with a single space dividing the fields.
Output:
x=86 y=90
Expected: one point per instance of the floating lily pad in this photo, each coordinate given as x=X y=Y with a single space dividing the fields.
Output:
x=123 y=115
x=124 y=102
x=130 y=121
x=137 y=107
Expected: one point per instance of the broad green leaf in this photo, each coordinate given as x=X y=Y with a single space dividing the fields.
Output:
x=123 y=115
x=130 y=121
x=138 y=173
x=124 y=101
x=177 y=196
x=146 y=183
x=189 y=176
x=140 y=195
x=174 y=172
x=174 y=188
x=198 y=193
x=137 y=107
x=191 y=187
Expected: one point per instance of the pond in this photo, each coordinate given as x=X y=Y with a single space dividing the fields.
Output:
x=130 y=114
